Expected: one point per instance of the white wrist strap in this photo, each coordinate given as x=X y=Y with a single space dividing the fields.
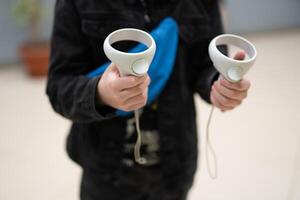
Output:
x=210 y=154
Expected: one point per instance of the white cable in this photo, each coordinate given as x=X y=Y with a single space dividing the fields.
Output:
x=209 y=150
x=137 y=147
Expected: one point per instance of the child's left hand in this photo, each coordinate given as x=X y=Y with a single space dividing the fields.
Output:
x=226 y=95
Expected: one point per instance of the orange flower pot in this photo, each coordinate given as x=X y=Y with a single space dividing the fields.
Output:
x=35 y=56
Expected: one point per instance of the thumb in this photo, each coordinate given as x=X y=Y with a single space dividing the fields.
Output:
x=112 y=68
x=240 y=55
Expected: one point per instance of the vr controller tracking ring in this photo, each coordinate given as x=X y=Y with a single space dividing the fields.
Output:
x=233 y=70
x=136 y=64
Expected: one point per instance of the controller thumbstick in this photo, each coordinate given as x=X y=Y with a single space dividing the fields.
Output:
x=140 y=67
x=235 y=73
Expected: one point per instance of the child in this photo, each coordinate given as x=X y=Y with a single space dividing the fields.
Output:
x=101 y=142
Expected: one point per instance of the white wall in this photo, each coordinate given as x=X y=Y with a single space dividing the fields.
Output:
x=261 y=15
x=242 y=16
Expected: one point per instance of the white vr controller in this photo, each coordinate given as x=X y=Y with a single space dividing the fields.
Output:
x=232 y=70
x=136 y=64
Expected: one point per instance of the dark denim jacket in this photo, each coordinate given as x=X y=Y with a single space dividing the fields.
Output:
x=96 y=139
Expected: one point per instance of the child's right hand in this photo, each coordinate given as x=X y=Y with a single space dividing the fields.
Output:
x=126 y=93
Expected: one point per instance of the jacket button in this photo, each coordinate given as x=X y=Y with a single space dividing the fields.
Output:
x=147 y=18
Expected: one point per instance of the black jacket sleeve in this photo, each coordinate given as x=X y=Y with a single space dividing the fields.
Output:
x=206 y=73
x=71 y=93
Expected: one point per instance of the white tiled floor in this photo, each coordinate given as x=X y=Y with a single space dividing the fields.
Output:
x=258 y=144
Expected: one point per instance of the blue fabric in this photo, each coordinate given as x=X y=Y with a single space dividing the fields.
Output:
x=166 y=38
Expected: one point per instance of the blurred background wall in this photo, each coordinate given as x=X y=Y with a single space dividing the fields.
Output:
x=12 y=33
x=241 y=16
x=261 y=15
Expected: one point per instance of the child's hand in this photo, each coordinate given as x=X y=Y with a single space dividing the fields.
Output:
x=126 y=93
x=226 y=95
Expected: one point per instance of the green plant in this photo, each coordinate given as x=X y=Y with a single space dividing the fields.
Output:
x=30 y=13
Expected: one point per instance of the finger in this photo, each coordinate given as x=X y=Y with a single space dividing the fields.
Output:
x=242 y=85
x=113 y=68
x=217 y=104
x=134 y=107
x=140 y=98
x=240 y=55
x=140 y=80
x=112 y=72
x=134 y=91
x=225 y=101
x=129 y=81
x=230 y=93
